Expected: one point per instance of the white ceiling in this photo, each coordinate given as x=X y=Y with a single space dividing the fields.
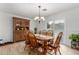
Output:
x=31 y=9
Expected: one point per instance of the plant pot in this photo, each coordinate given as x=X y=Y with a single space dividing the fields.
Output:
x=74 y=44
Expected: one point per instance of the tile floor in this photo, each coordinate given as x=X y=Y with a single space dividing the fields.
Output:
x=18 y=49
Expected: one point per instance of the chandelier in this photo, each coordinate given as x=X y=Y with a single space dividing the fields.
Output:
x=39 y=17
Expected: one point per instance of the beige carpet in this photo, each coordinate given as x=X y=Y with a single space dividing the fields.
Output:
x=18 y=49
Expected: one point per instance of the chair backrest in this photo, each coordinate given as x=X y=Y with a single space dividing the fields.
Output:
x=43 y=32
x=49 y=33
x=32 y=39
x=25 y=36
x=58 y=38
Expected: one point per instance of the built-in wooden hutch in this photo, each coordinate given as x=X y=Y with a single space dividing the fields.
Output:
x=19 y=25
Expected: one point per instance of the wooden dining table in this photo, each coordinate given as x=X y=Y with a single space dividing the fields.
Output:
x=45 y=40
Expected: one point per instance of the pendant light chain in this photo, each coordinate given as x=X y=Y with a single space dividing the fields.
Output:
x=39 y=13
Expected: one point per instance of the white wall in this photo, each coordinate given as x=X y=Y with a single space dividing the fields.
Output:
x=71 y=23
x=71 y=18
x=40 y=26
x=6 y=26
x=43 y=24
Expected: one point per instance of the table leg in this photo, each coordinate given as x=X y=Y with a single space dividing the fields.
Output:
x=45 y=47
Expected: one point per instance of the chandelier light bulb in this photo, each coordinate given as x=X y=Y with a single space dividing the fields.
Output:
x=39 y=18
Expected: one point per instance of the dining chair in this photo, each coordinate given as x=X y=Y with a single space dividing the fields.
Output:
x=27 y=41
x=56 y=45
x=34 y=45
x=43 y=32
x=49 y=33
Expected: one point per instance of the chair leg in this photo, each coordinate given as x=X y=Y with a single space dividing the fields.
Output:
x=59 y=51
x=24 y=47
x=55 y=51
x=29 y=52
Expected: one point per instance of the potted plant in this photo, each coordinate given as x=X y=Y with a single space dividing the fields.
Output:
x=74 y=40
x=74 y=37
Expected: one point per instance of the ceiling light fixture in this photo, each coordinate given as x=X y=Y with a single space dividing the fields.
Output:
x=39 y=18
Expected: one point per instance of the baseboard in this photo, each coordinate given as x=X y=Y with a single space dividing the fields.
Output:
x=70 y=47
x=65 y=45
x=6 y=43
